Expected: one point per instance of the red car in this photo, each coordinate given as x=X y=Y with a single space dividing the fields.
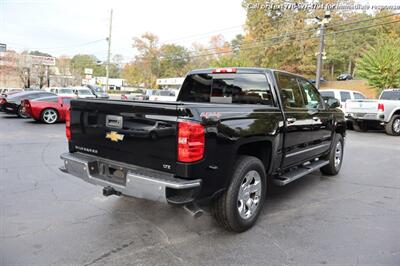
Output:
x=49 y=109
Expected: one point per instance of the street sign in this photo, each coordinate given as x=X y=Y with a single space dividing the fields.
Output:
x=43 y=60
x=89 y=71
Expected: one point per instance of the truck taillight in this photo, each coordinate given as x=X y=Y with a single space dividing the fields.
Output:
x=68 y=125
x=381 y=107
x=224 y=70
x=191 y=142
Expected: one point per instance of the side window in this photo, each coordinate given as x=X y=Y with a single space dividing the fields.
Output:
x=358 y=96
x=344 y=96
x=311 y=97
x=327 y=94
x=290 y=91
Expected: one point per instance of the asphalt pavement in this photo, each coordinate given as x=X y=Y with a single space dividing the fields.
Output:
x=50 y=218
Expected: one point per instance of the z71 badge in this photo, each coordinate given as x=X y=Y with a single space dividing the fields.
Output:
x=114 y=136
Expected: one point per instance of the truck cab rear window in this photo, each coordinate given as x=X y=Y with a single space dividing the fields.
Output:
x=227 y=88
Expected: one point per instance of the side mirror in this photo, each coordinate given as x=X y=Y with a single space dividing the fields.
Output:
x=331 y=102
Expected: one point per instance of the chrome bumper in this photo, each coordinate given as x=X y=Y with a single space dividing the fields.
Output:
x=138 y=182
x=365 y=116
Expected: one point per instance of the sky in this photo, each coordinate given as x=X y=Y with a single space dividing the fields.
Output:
x=69 y=27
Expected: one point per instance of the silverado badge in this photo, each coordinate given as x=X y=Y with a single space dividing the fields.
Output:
x=114 y=136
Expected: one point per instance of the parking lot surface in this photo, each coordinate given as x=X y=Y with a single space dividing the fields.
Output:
x=49 y=218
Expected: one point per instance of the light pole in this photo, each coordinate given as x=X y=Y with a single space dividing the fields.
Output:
x=109 y=50
x=322 y=23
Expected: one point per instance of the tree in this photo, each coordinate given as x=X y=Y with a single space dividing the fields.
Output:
x=38 y=53
x=380 y=65
x=292 y=52
x=132 y=72
x=174 y=58
x=148 y=57
x=81 y=61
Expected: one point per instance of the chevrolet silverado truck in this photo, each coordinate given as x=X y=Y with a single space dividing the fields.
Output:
x=385 y=111
x=231 y=133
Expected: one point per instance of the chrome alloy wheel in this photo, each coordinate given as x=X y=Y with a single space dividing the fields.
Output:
x=249 y=194
x=338 y=154
x=50 y=116
x=396 y=125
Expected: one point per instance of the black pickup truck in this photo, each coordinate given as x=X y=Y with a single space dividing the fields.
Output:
x=231 y=132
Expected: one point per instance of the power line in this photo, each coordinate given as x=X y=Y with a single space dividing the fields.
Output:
x=61 y=47
x=334 y=25
x=304 y=38
x=278 y=37
x=287 y=35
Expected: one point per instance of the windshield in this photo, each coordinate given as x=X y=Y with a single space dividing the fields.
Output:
x=66 y=91
x=390 y=95
x=165 y=93
x=327 y=94
x=84 y=92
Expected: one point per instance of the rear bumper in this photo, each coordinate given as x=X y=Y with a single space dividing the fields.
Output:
x=139 y=182
x=366 y=116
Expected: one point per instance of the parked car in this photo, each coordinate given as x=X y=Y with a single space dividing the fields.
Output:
x=385 y=111
x=342 y=96
x=83 y=92
x=99 y=92
x=63 y=91
x=8 y=91
x=222 y=141
x=135 y=96
x=49 y=110
x=344 y=76
x=321 y=80
x=164 y=96
x=12 y=104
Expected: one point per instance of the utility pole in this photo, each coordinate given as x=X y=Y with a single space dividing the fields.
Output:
x=109 y=51
x=48 y=76
x=321 y=52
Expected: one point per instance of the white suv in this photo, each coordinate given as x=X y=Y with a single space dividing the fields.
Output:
x=342 y=96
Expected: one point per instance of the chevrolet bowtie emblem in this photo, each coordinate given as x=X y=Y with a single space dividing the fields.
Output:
x=114 y=136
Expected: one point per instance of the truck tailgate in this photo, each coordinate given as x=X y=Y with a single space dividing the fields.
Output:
x=137 y=133
x=362 y=106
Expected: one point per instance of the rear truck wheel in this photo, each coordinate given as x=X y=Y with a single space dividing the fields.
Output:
x=393 y=127
x=239 y=207
x=360 y=126
x=20 y=112
x=335 y=157
x=49 y=116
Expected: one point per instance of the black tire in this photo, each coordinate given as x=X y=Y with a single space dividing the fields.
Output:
x=47 y=120
x=225 y=208
x=349 y=125
x=392 y=127
x=20 y=114
x=332 y=168
x=360 y=126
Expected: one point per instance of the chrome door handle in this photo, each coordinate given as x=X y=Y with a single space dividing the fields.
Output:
x=291 y=120
x=316 y=118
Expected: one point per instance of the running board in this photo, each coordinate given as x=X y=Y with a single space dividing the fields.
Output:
x=299 y=172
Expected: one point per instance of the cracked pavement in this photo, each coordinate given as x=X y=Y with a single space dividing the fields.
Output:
x=50 y=218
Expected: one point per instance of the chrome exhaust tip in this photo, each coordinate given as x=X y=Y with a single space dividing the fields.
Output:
x=193 y=210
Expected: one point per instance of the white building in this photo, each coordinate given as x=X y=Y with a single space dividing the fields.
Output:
x=114 y=84
x=170 y=83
